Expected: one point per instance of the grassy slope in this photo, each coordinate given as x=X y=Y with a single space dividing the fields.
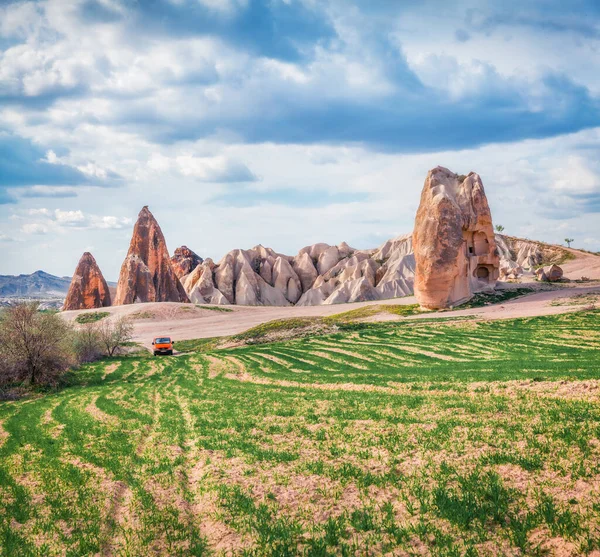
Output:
x=434 y=439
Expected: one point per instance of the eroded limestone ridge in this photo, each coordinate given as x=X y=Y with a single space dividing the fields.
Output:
x=319 y=274
x=453 y=239
x=88 y=288
x=147 y=274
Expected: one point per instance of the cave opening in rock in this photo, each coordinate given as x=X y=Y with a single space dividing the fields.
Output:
x=482 y=273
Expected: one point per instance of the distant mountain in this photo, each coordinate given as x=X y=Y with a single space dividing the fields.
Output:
x=40 y=285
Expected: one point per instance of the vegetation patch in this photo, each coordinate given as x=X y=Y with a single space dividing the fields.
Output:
x=199 y=344
x=370 y=311
x=590 y=299
x=91 y=317
x=222 y=309
x=142 y=315
x=481 y=299
x=281 y=328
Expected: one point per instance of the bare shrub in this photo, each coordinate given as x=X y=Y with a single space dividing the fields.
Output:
x=87 y=343
x=35 y=345
x=115 y=334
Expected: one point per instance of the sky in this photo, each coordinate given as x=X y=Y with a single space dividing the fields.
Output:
x=288 y=122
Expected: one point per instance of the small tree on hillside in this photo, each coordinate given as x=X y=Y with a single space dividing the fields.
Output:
x=87 y=343
x=113 y=335
x=499 y=228
x=568 y=241
x=35 y=346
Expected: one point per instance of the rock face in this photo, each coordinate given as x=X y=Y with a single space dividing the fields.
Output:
x=147 y=274
x=454 y=244
x=319 y=274
x=184 y=261
x=88 y=288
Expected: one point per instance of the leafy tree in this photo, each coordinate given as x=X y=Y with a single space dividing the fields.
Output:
x=569 y=240
x=499 y=228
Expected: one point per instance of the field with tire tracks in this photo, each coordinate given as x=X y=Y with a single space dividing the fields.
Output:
x=409 y=438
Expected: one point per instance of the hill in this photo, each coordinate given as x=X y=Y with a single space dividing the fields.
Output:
x=35 y=285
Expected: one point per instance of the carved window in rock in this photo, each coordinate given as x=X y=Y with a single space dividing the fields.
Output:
x=468 y=240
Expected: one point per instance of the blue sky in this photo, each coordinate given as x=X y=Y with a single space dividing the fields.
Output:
x=288 y=122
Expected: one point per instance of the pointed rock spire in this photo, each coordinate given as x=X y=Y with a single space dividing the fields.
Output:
x=88 y=288
x=147 y=274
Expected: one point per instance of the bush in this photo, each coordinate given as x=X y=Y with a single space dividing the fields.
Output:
x=115 y=334
x=91 y=317
x=87 y=344
x=36 y=346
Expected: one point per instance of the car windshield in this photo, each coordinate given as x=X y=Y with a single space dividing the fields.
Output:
x=163 y=340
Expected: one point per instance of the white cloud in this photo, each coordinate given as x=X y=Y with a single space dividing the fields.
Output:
x=576 y=174
x=109 y=222
x=69 y=217
x=40 y=211
x=34 y=228
x=204 y=169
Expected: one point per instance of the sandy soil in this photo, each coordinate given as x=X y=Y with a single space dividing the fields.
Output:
x=186 y=321
x=584 y=265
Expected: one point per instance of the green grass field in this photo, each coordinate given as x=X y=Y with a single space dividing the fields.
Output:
x=407 y=438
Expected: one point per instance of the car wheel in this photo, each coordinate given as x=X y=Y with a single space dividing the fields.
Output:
x=155 y=354
x=170 y=352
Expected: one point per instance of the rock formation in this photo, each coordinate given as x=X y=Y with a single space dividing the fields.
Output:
x=551 y=273
x=454 y=245
x=319 y=274
x=455 y=254
x=147 y=274
x=88 y=288
x=184 y=261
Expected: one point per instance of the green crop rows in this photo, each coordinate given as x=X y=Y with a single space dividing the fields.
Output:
x=412 y=438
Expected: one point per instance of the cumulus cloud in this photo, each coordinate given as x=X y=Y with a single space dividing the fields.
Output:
x=43 y=220
x=203 y=169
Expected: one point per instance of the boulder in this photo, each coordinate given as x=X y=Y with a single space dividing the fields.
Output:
x=184 y=261
x=88 y=288
x=552 y=273
x=147 y=274
x=454 y=245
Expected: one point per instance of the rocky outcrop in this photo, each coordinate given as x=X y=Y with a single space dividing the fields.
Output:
x=88 y=288
x=147 y=274
x=184 y=261
x=454 y=245
x=519 y=256
x=319 y=274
